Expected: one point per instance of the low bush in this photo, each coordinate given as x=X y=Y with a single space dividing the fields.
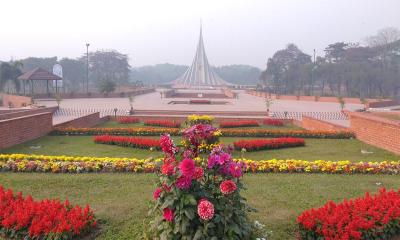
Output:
x=263 y=144
x=244 y=123
x=162 y=123
x=135 y=142
x=127 y=120
x=23 y=218
x=369 y=217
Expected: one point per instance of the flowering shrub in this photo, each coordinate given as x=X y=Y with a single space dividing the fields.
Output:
x=23 y=218
x=135 y=142
x=244 y=123
x=162 y=123
x=70 y=164
x=201 y=138
x=273 y=122
x=262 y=144
x=199 y=119
x=199 y=200
x=139 y=131
x=259 y=132
x=370 y=217
x=126 y=120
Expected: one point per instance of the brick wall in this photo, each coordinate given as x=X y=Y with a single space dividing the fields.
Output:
x=15 y=101
x=310 y=123
x=376 y=131
x=25 y=112
x=307 y=98
x=18 y=130
x=383 y=104
x=89 y=120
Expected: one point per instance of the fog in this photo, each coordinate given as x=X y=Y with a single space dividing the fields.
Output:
x=151 y=32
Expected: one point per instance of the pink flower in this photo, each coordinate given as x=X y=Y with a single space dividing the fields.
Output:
x=187 y=167
x=168 y=167
x=156 y=193
x=198 y=173
x=235 y=169
x=228 y=187
x=183 y=182
x=205 y=209
x=168 y=214
x=167 y=145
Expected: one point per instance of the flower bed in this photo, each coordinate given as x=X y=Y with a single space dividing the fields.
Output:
x=23 y=218
x=273 y=122
x=72 y=164
x=141 y=131
x=126 y=120
x=263 y=144
x=369 y=217
x=135 y=142
x=259 y=132
x=252 y=132
x=199 y=119
x=244 y=123
x=163 y=123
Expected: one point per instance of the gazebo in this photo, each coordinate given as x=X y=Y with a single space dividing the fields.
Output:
x=38 y=75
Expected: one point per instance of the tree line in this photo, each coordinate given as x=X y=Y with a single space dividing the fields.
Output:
x=108 y=69
x=346 y=69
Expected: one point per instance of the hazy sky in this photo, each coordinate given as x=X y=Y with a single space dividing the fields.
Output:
x=150 y=31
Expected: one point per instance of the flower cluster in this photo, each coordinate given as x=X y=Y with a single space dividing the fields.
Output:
x=199 y=119
x=193 y=197
x=163 y=123
x=70 y=164
x=134 y=142
x=23 y=218
x=236 y=124
x=139 y=131
x=259 y=132
x=369 y=217
x=126 y=120
x=273 y=122
x=200 y=135
x=262 y=144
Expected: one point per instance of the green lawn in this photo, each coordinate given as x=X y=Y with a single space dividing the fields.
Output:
x=315 y=149
x=121 y=201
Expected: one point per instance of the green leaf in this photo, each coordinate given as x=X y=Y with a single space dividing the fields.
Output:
x=198 y=234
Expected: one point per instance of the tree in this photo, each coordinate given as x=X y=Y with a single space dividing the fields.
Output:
x=74 y=74
x=109 y=64
x=9 y=72
x=106 y=86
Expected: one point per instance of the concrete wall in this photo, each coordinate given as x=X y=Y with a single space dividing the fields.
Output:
x=99 y=95
x=21 y=129
x=82 y=122
x=376 y=131
x=380 y=104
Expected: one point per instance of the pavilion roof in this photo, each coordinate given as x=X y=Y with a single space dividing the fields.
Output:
x=38 y=74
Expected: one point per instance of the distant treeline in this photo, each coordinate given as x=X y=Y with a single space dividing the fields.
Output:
x=346 y=69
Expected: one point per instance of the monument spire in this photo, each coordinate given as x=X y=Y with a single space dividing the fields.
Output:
x=200 y=72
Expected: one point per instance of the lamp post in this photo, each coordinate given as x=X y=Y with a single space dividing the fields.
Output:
x=87 y=67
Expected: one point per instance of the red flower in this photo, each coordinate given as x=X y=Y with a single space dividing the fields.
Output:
x=205 y=209
x=157 y=193
x=262 y=144
x=168 y=214
x=187 y=167
x=183 y=182
x=198 y=173
x=228 y=187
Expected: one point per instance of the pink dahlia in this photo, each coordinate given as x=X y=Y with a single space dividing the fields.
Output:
x=183 y=182
x=228 y=187
x=168 y=214
x=205 y=209
x=156 y=193
x=167 y=145
x=198 y=173
x=168 y=167
x=187 y=167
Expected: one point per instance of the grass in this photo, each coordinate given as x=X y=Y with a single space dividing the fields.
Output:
x=121 y=201
x=315 y=149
